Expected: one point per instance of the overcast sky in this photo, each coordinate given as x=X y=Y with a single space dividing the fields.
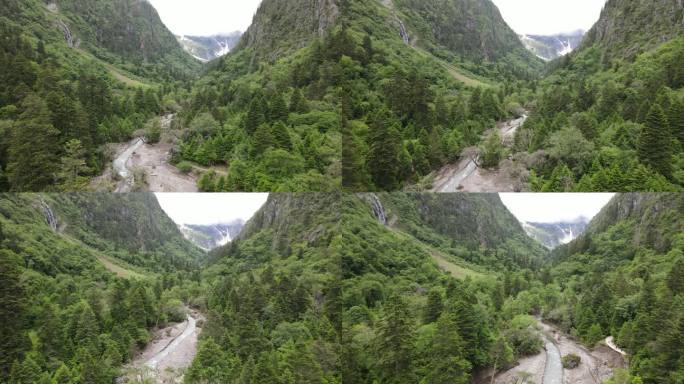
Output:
x=206 y=17
x=554 y=207
x=548 y=17
x=210 y=208
x=543 y=17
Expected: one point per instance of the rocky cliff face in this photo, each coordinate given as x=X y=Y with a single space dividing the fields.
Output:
x=651 y=219
x=131 y=29
x=473 y=29
x=281 y=26
x=301 y=217
x=629 y=27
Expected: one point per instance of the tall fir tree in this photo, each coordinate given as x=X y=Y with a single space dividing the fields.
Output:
x=34 y=147
x=655 y=146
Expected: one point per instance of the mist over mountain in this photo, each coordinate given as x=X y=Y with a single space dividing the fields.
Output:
x=551 y=235
x=550 y=47
x=207 y=48
x=212 y=236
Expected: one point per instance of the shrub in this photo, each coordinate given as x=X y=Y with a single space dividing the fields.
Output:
x=571 y=361
x=184 y=166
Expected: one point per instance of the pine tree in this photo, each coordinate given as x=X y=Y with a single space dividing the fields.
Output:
x=676 y=119
x=278 y=110
x=475 y=105
x=297 y=102
x=675 y=279
x=395 y=340
x=255 y=116
x=384 y=158
x=33 y=148
x=434 y=306
x=73 y=166
x=263 y=139
x=281 y=135
x=654 y=146
x=448 y=365
x=12 y=304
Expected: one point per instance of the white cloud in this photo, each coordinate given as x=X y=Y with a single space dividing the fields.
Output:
x=554 y=207
x=210 y=208
x=206 y=17
x=548 y=17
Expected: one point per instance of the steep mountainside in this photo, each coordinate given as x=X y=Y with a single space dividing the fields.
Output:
x=652 y=220
x=207 y=48
x=553 y=46
x=551 y=235
x=96 y=220
x=426 y=279
x=274 y=311
x=472 y=29
x=624 y=277
x=77 y=301
x=627 y=28
x=284 y=26
x=275 y=123
x=123 y=29
x=621 y=92
x=209 y=237
x=464 y=224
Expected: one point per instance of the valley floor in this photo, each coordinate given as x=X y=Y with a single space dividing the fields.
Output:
x=138 y=158
x=596 y=365
x=467 y=176
x=171 y=351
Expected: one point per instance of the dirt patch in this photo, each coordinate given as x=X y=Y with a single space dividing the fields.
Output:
x=161 y=176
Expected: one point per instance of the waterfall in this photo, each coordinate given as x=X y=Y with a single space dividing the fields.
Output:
x=67 y=34
x=49 y=216
x=378 y=210
x=403 y=31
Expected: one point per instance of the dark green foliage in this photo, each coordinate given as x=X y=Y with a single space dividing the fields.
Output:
x=32 y=152
x=273 y=313
x=625 y=264
x=655 y=142
x=81 y=322
x=628 y=113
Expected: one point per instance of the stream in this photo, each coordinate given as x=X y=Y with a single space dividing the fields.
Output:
x=166 y=357
x=553 y=372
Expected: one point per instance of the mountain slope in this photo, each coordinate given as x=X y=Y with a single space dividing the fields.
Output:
x=463 y=222
x=472 y=29
x=623 y=277
x=280 y=27
x=653 y=219
x=273 y=312
x=149 y=238
x=275 y=123
x=76 y=302
x=619 y=93
x=627 y=28
x=124 y=29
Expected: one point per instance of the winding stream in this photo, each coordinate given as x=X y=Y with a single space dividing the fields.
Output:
x=553 y=372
